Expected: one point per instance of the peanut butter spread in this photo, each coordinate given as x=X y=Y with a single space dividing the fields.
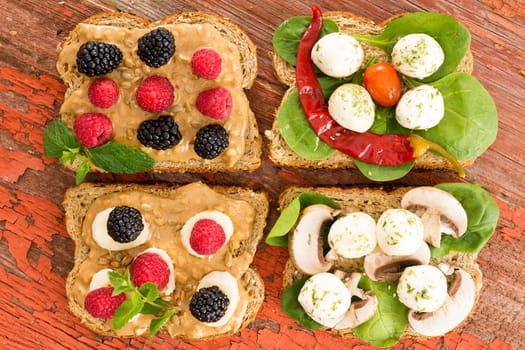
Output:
x=165 y=217
x=126 y=115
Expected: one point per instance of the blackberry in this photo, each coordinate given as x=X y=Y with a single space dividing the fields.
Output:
x=161 y=133
x=98 y=58
x=156 y=47
x=125 y=224
x=211 y=141
x=209 y=304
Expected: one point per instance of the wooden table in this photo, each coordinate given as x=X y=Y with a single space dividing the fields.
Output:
x=36 y=252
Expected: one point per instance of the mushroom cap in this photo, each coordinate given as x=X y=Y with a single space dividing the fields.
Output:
x=380 y=267
x=359 y=312
x=431 y=203
x=456 y=308
x=305 y=244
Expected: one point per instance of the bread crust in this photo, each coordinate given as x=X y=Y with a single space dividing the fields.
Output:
x=350 y=23
x=374 y=201
x=77 y=201
x=251 y=158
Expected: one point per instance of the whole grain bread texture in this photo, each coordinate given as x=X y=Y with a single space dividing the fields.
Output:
x=251 y=158
x=77 y=201
x=349 y=23
x=373 y=201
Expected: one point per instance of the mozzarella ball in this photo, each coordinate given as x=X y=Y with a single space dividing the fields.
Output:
x=353 y=235
x=399 y=232
x=325 y=298
x=337 y=55
x=352 y=107
x=420 y=108
x=417 y=55
x=422 y=288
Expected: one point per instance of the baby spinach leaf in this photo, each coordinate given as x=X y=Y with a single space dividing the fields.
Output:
x=295 y=129
x=482 y=217
x=389 y=322
x=451 y=35
x=278 y=236
x=385 y=122
x=470 y=123
x=383 y=173
x=291 y=307
x=288 y=35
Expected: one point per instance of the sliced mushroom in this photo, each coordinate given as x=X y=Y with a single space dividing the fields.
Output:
x=457 y=306
x=306 y=244
x=359 y=311
x=380 y=267
x=440 y=212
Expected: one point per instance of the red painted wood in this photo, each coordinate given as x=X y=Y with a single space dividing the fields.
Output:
x=36 y=252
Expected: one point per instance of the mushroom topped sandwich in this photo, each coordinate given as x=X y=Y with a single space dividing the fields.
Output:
x=383 y=265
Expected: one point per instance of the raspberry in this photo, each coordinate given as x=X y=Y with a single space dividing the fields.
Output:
x=149 y=267
x=103 y=92
x=215 y=103
x=100 y=304
x=211 y=141
x=124 y=224
x=206 y=63
x=93 y=129
x=98 y=58
x=207 y=236
x=154 y=94
x=156 y=47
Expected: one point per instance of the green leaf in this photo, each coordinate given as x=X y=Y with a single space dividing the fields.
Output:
x=385 y=122
x=127 y=310
x=295 y=129
x=278 y=236
x=482 y=218
x=157 y=323
x=383 y=173
x=288 y=35
x=151 y=309
x=470 y=123
x=149 y=291
x=58 y=138
x=291 y=307
x=121 y=282
x=451 y=35
x=82 y=170
x=389 y=322
x=120 y=159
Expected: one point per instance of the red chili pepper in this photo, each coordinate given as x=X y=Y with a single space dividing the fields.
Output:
x=386 y=150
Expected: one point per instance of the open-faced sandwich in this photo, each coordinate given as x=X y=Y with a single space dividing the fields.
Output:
x=165 y=257
x=383 y=265
x=378 y=97
x=166 y=96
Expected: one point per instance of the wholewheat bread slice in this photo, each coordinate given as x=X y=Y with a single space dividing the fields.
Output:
x=349 y=23
x=77 y=202
x=250 y=159
x=372 y=201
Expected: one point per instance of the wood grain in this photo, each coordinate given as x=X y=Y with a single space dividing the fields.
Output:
x=36 y=252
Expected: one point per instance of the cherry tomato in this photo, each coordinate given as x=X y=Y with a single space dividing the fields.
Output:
x=383 y=84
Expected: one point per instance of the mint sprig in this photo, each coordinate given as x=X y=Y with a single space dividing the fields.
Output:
x=61 y=143
x=144 y=300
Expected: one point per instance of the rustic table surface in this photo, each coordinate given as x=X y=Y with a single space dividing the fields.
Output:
x=36 y=252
